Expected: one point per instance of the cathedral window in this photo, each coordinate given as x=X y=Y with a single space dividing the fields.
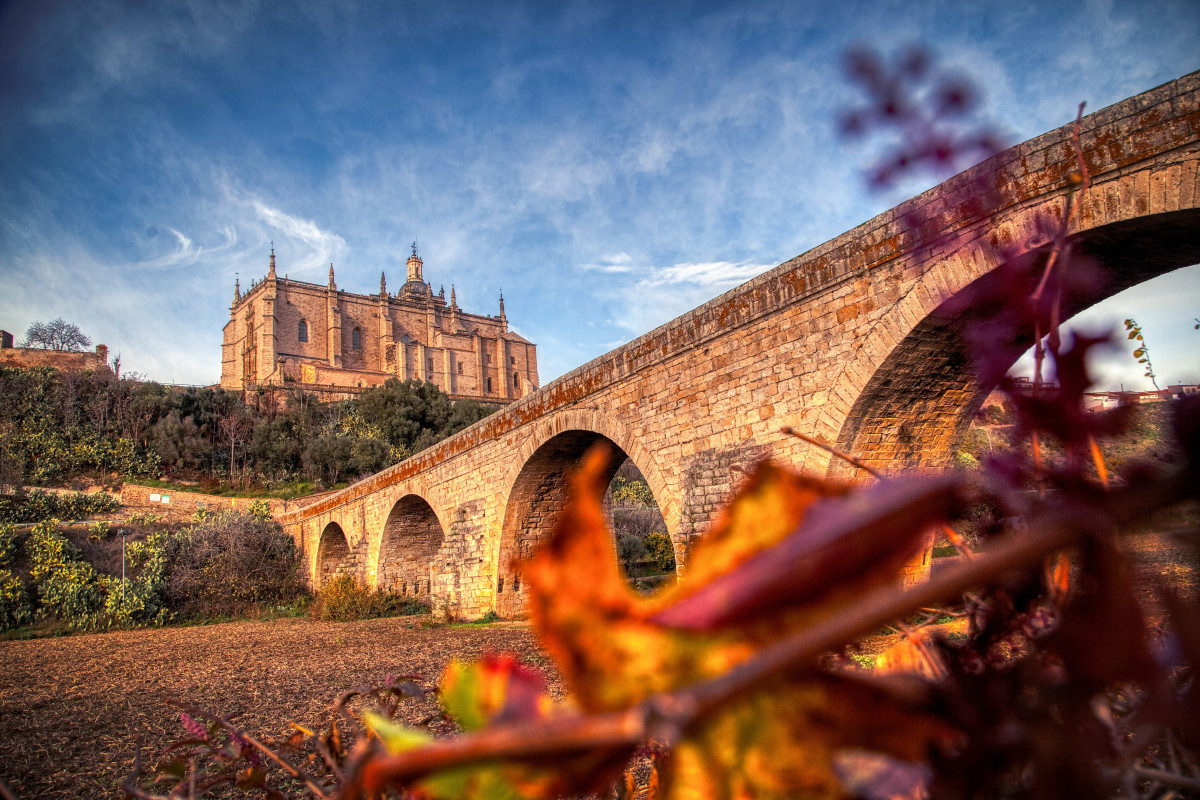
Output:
x=356 y=339
x=460 y=368
x=303 y=334
x=489 y=385
x=516 y=381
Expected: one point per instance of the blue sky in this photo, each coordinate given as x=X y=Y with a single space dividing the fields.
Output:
x=608 y=166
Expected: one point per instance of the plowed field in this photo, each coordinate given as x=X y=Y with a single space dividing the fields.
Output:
x=71 y=708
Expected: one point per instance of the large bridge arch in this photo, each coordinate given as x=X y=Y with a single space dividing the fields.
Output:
x=536 y=490
x=912 y=407
x=408 y=546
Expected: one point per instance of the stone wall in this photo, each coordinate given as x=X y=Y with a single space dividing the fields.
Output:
x=26 y=357
x=188 y=503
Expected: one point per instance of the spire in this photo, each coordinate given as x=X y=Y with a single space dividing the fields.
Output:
x=502 y=305
x=453 y=299
x=332 y=285
x=382 y=285
x=442 y=291
x=237 y=288
x=271 y=270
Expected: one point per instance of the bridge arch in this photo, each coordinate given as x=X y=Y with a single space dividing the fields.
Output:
x=536 y=491
x=333 y=555
x=412 y=536
x=913 y=405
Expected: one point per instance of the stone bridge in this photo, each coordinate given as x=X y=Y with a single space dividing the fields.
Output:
x=853 y=341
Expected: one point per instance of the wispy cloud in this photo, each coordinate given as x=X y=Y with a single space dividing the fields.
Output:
x=712 y=274
x=324 y=246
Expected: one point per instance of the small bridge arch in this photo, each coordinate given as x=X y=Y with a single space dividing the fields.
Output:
x=333 y=556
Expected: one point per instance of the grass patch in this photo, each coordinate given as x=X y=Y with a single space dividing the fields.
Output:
x=282 y=491
x=486 y=619
x=863 y=660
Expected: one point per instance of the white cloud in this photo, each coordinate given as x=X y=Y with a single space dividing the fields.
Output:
x=324 y=245
x=713 y=274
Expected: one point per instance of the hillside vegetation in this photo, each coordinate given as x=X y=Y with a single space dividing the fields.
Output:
x=57 y=426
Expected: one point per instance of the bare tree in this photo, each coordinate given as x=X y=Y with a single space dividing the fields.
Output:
x=57 y=334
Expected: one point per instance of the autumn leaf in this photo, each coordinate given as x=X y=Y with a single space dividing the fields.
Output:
x=494 y=689
x=787 y=552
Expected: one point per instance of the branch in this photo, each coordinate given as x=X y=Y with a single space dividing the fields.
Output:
x=312 y=785
x=853 y=460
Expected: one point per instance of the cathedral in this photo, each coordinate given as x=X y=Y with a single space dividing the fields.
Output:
x=290 y=333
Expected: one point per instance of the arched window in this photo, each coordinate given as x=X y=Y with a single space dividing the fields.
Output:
x=356 y=339
x=489 y=385
x=516 y=380
x=303 y=331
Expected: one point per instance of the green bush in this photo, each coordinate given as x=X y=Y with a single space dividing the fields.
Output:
x=261 y=510
x=630 y=550
x=73 y=591
x=659 y=546
x=634 y=492
x=40 y=506
x=140 y=601
x=343 y=599
x=15 y=608
x=68 y=587
x=8 y=544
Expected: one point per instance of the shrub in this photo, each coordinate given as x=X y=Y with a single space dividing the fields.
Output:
x=261 y=511
x=659 y=548
x=8 y=544
x=635 y=492
x=15 y=608
x=68 y=588
x=229 y=563
x=630 y=550
x=343 y=599
x=140 y=600
x=40 y=506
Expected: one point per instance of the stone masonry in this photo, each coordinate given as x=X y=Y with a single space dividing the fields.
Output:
x=26 y=357
x=848 y=342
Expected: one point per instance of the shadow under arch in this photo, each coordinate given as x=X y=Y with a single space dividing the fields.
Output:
x=537 y=497
x=412 y=536
x=917 y=404
x=333 y=555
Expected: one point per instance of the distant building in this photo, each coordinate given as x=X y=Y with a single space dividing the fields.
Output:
x=286 y=332
x=1178 y=391
x=25 y=357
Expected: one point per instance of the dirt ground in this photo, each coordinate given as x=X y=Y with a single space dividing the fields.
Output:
x=71 y=708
